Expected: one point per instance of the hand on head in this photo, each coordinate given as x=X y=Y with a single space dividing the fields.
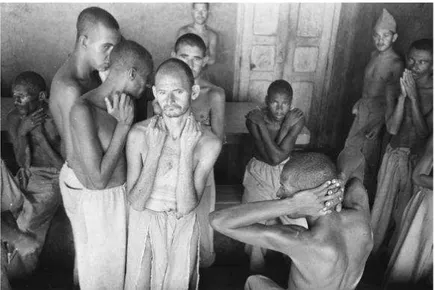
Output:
x=320 y=200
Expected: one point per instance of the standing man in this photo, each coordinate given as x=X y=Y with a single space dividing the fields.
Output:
x=381 y=81
x=331 y=254
x=93 y=180
x=208 y=109
x=97 y=34
x=169 y=159
x=408 y=119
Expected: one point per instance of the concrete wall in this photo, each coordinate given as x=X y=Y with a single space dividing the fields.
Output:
x=39 y=37
x=353 y=46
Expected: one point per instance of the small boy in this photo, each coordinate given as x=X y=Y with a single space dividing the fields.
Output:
x=200 y=12
x=275 y=129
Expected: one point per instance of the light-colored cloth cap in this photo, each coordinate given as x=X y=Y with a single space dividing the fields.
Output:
x=386 y=21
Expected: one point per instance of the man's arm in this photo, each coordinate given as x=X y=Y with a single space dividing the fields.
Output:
x=395 y=110
x=242 y=222
x=218 y=113
x=258 y=141
x=421 y=174
x=20 y=139
x=212 y=47
x=355 y=197
x=97 y=164
x=417 y=114
x=279 y=152
x=141 y=174
x=192 y=179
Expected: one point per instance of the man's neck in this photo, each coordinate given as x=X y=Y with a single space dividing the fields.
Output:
x=387 y=52
x=175 y=125
x=82 y=67
x=199 y=27
x=422 y=81
x=105 y=90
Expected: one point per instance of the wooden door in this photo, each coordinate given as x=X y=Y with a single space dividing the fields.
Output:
x=291 y=41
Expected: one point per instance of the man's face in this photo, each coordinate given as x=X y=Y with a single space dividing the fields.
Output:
x=383 y=39
x=137 y=86
x=279 y=105
x=24 y=101
x=200 y=13
x=419 y=62
x=173 y=93
x=101 y=41
x=193 y=56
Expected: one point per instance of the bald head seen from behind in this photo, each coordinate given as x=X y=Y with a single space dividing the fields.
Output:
x=307 y=170
x=91 y=17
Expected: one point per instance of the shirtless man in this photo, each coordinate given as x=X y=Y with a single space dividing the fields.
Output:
x=275 y=129
x=208 y=109
x=381 y=81
x=97 y=33
x=93 y=180
x=169 y=159
x=408 y=117
x=200 y=12
x=37 y=151
x=332 y=253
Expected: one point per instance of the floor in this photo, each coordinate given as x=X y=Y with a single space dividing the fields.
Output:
x=229 y=271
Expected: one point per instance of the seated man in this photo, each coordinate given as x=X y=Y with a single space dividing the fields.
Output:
x=37 y=152
x=275 y=129
x=169 y=159
x=332 y=253
x=200 y=12
x=208 y=109
x=93 y=180
x=411 y=263
x=19 y=248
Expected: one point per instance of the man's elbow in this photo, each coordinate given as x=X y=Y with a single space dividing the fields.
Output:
x=217 y=221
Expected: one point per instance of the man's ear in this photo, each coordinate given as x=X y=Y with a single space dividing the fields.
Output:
x=173 y=54
x=132 y=73
x=42 y=96
x=83 y=40
x=195 y=91
x=154 y=92
x=395 y=36
x=205 y=60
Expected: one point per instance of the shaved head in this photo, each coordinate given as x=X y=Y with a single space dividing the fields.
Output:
x=90 y=17
x=33 y=81
x=176 y=67
x=191 y=39
x=129 y=54
x=308 y=170
x=279 y=87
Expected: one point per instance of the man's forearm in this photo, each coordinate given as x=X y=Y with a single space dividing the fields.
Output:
x=418 y=119
x=186 y=194
x=395 y=120
x=273 y=151
x=110 y=158
x=250 y=213
x=143 y=187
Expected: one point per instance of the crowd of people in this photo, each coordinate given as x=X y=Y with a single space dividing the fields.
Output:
x=140 y=196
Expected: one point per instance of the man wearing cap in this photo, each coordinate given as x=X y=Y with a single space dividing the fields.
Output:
x=381 y=80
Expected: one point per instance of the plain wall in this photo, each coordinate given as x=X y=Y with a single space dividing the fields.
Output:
x=39 y=37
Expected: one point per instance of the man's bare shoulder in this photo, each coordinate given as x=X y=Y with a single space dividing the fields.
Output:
x=211 y=33
x=64 y=88
x=184 y=29
x=209 y=143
